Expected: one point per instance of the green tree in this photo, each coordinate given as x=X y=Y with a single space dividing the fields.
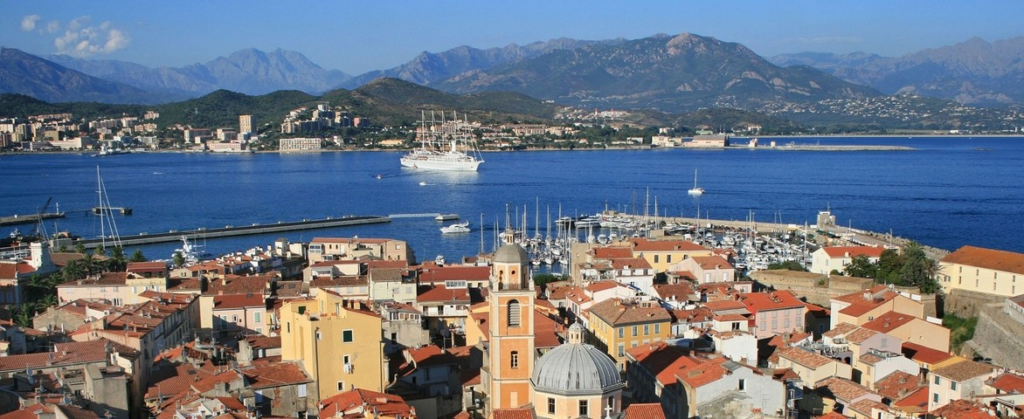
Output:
x=89 y=263
x=137 y=256
x=541 y=279
x=660 y=278
x=99 y=251
x=918 y=269
x=178 y=259
x=117 y=261
x=80 y=248
x=24 y=314
x=73 y=271
x=890 y=263
x=789 y=264
x=861 y=266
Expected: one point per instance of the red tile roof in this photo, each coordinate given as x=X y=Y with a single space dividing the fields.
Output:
x=712 y=262
x=439 y=293
x=844 y=389
x=997 y=260
x=804 y=357
x=964 y=370
x=960 y=409
x=916 y=402
x=645 y=245
x=234 y=301
x=898 y=385
x=612 y=252
x=776 y=300
x=662 y=360
x=725 y=305
x=365 y=402
x=615 y=312
x=851 y=251
x=1008 y=383
x=888 y=322
x=630 y=263
x=28 y=412
x=924 y=354
x=644 y=411
x=275 y=375
x=681 y=291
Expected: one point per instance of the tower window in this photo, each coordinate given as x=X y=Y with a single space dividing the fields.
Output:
x=515 y=359
x=513 y=313
x=583 y=408
x=551 y=405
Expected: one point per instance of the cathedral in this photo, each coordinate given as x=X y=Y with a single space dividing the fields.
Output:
x=573 y=380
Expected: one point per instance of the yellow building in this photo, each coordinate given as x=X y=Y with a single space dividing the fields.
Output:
x=619 y=325
x=339 y=342
x=332 y=248
x=982 y=270
x=661 y=254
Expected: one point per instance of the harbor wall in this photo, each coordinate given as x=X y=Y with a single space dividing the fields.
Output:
x=814 y=288
x=967 y=304
x=998 y=337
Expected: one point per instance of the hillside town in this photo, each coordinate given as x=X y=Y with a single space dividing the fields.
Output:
x=640 y=327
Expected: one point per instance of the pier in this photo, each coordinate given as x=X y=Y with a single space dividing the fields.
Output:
x=111 y=210
x=28 y=219
x=231 y=231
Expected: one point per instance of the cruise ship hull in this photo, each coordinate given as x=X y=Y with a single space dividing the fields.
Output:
x=441 y=163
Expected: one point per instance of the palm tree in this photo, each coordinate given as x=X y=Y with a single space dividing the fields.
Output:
x=179 y=259
x=89 y=263
x=117 y=261
x=80 y=248
x=73 y=271
x=137 y=256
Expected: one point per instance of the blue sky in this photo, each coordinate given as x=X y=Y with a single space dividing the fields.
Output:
x=358 y=36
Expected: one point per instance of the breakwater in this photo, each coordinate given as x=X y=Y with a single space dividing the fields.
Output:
x=232 y=231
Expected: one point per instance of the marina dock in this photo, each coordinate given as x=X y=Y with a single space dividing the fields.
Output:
x=232 y=231
x=111 y=210
x=28 y=219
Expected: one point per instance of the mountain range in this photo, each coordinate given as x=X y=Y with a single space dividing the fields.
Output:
x=973 y=72
x=668 y=73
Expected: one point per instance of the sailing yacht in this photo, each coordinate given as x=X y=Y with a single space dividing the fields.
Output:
x=444 y=147
x=695 y=191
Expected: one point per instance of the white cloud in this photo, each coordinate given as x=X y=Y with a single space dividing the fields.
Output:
x=82 y=40
x=53 y=26
x=28 y=23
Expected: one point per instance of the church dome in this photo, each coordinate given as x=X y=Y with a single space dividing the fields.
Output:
x=511 y=254
x=575 y=368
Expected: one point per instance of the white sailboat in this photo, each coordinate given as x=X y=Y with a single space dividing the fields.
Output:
x=446 y=146
x=456 y=228
x=696 y=190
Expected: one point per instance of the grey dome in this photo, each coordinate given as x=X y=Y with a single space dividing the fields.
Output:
x=573 y=369
x=511 y=253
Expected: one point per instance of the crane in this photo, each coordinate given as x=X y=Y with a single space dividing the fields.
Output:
x=40 y=230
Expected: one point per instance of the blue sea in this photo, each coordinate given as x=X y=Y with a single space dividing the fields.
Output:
x=948 y=192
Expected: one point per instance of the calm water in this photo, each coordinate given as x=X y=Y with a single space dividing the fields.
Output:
x=948 y=193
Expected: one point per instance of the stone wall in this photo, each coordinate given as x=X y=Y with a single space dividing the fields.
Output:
x=815 y=288
x=966 y=304
x=998 y=337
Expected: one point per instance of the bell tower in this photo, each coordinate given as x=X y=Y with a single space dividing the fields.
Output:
x=511 y=328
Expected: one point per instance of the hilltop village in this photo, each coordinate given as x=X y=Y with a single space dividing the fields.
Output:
x=658 y=327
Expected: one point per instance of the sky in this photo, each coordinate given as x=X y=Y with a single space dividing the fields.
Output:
x=358 y=36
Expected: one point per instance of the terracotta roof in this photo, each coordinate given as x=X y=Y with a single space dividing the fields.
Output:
x=997 y=260
x=804 y=357
x=1008 y=383
x=439 y=293
x=915 y=402
x=612 y=252
x=681 y=291
x=712 y=262
x=339 y=281
x=28 y=412
x=851 y=251
x=965 y=370
x=888 y=322
x=697 y=315
x=601 y=286
x=233 y=284
x=831 y=415
x=662 y=360
x=75 y=412
x=614 y=312
x=960 y=409
x=61 y=259
x=644 y=411
x=366 y=401
x=841 y=330
x=545 y=331
x=897 y=385
x=703 y=373
x=513 y=413
x=70 y=353
x=263 y=342
x=924 y=354
x=233 y=301
x=865 y=406
x=645 y=245
x=275 y=375
x=860 y=335
x=844 y=389
x=776 y=300
x=151 y=267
